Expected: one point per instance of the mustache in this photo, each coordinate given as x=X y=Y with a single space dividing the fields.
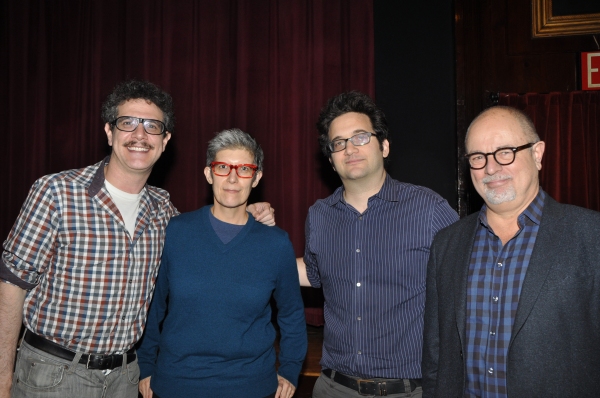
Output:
x=496 y=177
x=142 y=144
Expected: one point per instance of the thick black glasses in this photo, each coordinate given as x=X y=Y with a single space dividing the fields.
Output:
x=242 y=170
x=356 y=140
x=502 y=156
x=130 y=123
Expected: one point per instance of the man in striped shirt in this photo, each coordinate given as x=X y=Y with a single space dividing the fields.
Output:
x=367 y=246
x=79 y=265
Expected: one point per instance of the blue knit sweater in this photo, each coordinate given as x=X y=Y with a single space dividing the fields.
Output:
x=217 y=336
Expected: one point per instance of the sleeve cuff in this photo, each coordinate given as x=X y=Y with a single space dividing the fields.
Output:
x=7 y=276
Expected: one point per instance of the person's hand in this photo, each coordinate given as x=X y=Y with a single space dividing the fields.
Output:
x=144 y=387
x=263 y=213
x=285 y=388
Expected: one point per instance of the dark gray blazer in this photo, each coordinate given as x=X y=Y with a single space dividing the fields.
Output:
x=555 y=345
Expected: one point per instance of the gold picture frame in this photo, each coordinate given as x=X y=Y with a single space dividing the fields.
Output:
x=547 y=25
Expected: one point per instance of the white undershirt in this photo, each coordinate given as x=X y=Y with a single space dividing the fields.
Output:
x=127 y=203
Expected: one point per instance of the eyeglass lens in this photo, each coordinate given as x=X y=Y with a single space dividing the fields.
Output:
x=242 y=170
x=356 y=140
x=129 y=123
x=502 y=156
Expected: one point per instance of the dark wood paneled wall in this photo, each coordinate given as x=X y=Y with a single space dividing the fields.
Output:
x=495 y=52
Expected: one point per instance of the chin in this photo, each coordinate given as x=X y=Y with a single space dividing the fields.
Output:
x=496 y=198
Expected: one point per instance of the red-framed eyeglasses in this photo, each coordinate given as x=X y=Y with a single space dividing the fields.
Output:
x=223 y=169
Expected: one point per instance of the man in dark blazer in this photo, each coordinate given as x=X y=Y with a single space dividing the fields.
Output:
x=513 y=291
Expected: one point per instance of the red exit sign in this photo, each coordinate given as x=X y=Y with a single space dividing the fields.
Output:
x=590 y=71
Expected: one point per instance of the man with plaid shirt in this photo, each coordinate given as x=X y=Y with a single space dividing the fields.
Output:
x=513 y=291
x=79 y=264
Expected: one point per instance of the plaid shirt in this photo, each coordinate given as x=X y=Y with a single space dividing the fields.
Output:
x=496 y=275
x=90 y=283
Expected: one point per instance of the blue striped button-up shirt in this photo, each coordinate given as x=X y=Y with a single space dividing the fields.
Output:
x=372 y=267
x=496 y=275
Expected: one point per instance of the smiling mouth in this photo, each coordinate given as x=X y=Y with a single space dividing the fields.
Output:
x=138 y=146
x=498 y=182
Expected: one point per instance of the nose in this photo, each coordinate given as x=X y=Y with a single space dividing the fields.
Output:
x=492 y=167
x=232 y=177
x=350 y=148
x=139 y=131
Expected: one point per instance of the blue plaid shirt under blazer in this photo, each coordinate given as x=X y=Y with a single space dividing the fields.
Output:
x=554 y=349
x=496 y=275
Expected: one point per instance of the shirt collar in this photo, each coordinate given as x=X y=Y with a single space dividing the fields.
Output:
x=533 y=211
x=98 y=180
x=388 y=192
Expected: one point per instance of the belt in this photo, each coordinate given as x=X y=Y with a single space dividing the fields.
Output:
x=91 y=361
x=380 y=387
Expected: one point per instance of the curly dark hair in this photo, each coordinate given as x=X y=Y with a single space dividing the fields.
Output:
x=352 y=101
x=137 y=89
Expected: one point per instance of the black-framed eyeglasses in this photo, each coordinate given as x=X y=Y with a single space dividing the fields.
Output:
x=130 y=123
x=502 y=156
x=242 y=170
x=359 y=139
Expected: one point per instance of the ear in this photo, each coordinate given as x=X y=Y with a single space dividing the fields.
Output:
x=385 y=148
x=538 y=153
x=208 y=175
x=166 y=139
x=108 y=133
x=332 y=165
x=257 y=178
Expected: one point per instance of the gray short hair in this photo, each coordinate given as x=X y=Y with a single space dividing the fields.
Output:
x=234 y=139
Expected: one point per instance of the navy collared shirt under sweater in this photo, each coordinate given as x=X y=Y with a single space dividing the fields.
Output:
x=372 y=267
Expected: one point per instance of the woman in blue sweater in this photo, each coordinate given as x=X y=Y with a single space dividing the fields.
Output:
x=219 y=270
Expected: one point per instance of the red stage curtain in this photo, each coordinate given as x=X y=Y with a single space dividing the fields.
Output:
x=265 y=66
x=569 y=123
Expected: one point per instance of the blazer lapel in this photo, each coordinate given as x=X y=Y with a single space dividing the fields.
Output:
x=462 y=256
x=540 y=264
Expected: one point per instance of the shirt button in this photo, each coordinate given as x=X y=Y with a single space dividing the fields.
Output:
x=360 y=218
x=359 y=318
x=359 y=352
x=131 y=281
x=499 y=265
x=491 y=371
x=493 y=332
x=358 y=284
x=123 y=318
x=495 y=299
x=358 y=250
